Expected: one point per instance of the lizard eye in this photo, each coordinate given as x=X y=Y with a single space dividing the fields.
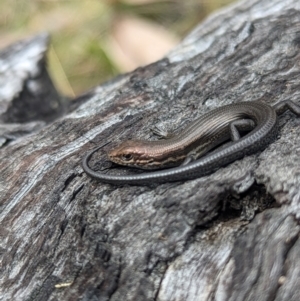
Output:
x=127 y=157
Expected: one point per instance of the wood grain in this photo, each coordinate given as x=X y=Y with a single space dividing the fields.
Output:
x=232 y=235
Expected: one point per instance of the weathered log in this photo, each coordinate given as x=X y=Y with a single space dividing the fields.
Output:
x=28 y=98
x=232 y=235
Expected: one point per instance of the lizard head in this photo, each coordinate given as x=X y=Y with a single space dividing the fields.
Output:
x=135 y=154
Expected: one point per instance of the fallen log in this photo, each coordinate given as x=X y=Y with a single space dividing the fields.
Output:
x=231 y=235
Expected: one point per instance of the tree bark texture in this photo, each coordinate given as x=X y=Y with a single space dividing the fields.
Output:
x=232 y=235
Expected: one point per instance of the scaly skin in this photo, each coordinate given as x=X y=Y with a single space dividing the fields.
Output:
x=209 y=130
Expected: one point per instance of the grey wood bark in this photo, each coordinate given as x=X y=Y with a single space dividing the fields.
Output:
x=232 y=235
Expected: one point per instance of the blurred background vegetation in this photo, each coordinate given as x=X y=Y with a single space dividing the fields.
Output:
x=94 y=40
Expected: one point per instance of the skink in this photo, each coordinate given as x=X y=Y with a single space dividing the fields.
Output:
x=207 y=132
